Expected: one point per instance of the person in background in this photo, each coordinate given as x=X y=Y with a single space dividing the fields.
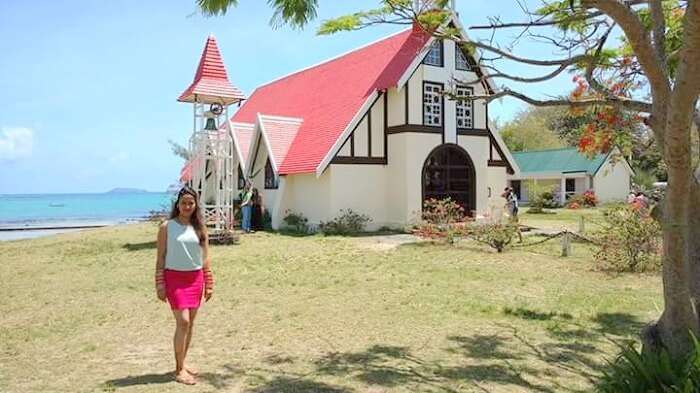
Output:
x=246 y=206
x=183 y=273
x=257 y=216
x=512 y=209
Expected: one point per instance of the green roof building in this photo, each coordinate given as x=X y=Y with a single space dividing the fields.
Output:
x=568 y=172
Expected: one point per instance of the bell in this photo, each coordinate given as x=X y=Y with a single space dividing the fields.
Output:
x=210 y=125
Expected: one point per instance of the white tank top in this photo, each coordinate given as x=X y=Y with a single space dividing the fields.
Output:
x=183 y=251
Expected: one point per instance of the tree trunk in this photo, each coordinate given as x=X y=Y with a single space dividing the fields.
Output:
x=681 y=234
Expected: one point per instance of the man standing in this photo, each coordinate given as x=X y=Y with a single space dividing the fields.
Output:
x=246 y=206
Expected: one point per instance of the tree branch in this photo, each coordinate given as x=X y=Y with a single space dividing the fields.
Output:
x=640 y=41
x=659 y=29
x=621 y=102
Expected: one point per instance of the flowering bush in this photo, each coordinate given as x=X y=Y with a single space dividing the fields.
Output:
x=441 y=218
x=589 y=199
x=630 y=240
x=573 y=205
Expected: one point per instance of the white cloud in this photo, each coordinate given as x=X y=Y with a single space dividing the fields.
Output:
x=16 y=143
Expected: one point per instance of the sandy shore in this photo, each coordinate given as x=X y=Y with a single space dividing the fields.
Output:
x=18 y=232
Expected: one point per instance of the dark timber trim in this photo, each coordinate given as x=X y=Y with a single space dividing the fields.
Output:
x=500 y=153
x=416 y=128
x=386 y=124
x=473 y=131
x=359 y=160
x=405 y=113
x=498 y=163
x=369 y=131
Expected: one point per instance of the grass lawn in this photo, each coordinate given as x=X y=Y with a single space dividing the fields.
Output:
x=315 y=314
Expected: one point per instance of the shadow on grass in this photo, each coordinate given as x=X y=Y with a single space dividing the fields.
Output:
x=139 y=246
x=620 y=324
x=146 y=379
x=297 y=385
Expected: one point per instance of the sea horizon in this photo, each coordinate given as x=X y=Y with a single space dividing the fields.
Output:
x=79 y=209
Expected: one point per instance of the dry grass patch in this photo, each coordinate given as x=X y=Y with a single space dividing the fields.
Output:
x=314 y=314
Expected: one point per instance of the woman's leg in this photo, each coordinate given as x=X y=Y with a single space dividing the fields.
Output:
x=193 y=315
x=182 y=327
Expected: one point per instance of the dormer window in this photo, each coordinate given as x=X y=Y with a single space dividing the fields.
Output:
x=434 y=56
x=461 y=59
x=270 y=181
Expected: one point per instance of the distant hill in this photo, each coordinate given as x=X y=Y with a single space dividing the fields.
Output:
x=124 y=190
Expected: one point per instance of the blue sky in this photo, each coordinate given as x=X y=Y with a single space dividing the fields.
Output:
x=89 y=88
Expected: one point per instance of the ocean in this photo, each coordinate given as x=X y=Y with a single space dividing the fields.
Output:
x=29 y=211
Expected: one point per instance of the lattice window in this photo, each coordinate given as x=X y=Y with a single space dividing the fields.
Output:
x=434 y=55
x=270 y=181
x=465 y=108
x=461 y=60
x=432 y=104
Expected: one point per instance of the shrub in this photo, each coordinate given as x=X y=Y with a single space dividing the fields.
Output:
x=441 y=218
x=347 y=223
x=646 y=371
x=589 y=199
x=496 y=235
x=629 y=241
x=573 y=205
x=540 y=198
x=296 y=222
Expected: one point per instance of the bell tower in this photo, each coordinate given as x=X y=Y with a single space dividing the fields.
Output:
x=210 y=170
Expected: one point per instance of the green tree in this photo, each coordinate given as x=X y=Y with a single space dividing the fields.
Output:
x=653 y=72
x=531 y=129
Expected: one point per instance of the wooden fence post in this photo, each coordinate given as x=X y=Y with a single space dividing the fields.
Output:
x=566 y=244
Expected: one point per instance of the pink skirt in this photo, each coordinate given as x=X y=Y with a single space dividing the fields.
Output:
x=184 y=288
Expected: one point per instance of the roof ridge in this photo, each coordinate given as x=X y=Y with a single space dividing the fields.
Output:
x=337 y=57
x=546 y=150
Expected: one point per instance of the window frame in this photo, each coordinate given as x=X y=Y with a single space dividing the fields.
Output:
x=442 y=104
x=270 y=182
x=467 y=59
x=440 y=45
x=241 y=178
x=470 y=105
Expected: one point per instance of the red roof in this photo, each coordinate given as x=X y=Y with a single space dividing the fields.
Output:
x=280 y=132
x=327 y=96
x=211 y=82
x=243 y=133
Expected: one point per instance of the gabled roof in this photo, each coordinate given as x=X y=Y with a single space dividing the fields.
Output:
x=278 y=133
x=211 y=82
x=564 y=160
x=328 y=96
x=242 y=136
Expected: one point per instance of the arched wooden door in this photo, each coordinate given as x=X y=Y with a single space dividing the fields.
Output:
x=449 y=172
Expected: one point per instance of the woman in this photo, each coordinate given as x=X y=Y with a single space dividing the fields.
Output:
x=257 y=219
x=183 y=273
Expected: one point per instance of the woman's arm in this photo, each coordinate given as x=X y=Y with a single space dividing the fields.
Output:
x=206 y=268
x=160 y=260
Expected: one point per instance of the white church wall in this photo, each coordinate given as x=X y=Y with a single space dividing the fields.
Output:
x=478 y=149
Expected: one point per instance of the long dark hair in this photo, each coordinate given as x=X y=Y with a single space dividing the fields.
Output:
x=196 y=219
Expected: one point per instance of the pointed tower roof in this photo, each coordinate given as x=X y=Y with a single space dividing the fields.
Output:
x=211 y=82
